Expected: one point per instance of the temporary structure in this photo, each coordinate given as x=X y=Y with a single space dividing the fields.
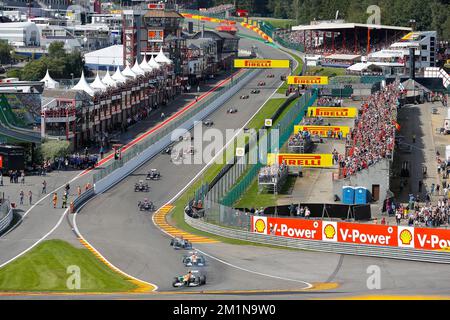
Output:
x=98 y=85
x=49 y=83
x=82 y=85
x=107 y=80
x=161 y=58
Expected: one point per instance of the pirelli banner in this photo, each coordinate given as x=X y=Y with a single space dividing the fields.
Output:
x=353 y=233
x=261 y=64
x=301 y=160
x=332 y=112
x=322 y=131
x=307 y=80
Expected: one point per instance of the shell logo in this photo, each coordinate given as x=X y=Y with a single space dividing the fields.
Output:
x=406 y=237
x=329 y=231
x=260 y=225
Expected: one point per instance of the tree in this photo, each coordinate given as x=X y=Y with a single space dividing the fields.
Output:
x=5 y=52
x=51 y=149
x=14 y=73
x=34 y=70
x=56 y=50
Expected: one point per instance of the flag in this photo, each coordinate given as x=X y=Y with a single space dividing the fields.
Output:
x=397 y=126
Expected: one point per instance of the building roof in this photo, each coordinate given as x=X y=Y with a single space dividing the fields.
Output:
x=163 y=14
x=337 y=26
x=144 y=65
x=82 y=85
x=98 y=85
x=361 y=66
x=128 y=72
x=152 y=63
x=9 y=25
x=161 y=58
x=107 y=80
x=343 y=56
x=118 y=76
x=49 y=82
x=137 y=69
x=107 y=56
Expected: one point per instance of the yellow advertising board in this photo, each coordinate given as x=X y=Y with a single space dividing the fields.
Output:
x=261 y=63
x=301 y=160
x=307 y=80
x=332 y=112
x=322 y=131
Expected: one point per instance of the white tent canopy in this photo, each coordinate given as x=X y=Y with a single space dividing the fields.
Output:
x=161 y=58
x=107 y=80
x=128 y=72
x=144 y=65
x=118 y=76
x=137 y=69
x=152 y=63
x=82 y=85
x=98 y=84
x=49 y=83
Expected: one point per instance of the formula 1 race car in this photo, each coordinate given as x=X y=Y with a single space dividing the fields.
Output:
x=153 y=175
x=270 y=75
x=245 y=96
x=255 y=91
x=193 y=279
x=167 y=150
x=232 y=110
x=146 y=205
x=141 y=186
x=261 y=83
x=208 y=123
x=193 y=259
x=178 y=244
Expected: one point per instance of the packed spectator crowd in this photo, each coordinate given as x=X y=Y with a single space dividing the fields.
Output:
x=300 y=142
x=372 y=138
x=218 y=9
x=330 y=102
x=272 y=173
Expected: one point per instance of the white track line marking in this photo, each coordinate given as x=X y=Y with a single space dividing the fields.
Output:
x=74 y=221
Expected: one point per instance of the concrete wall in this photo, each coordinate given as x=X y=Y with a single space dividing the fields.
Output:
x=376 y=174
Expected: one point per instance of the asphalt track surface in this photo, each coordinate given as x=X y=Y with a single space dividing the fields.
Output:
x=130 y=241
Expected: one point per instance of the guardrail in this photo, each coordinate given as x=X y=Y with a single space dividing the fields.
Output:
x=84 y=197
x=322 y=246
x=163 y=138
x=6 y=220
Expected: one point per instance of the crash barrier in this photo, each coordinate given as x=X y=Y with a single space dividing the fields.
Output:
x=203 y=17
x=156 y=143
x=7 y=212
x=257 y=30
x=285 y=126
x=348 y=238
x=83 y=198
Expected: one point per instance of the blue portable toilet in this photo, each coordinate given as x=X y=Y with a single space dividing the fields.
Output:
x=361 y=195
x=348 y=195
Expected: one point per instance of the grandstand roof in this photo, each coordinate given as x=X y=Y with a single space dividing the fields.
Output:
x=343 y=56
x=339 y=26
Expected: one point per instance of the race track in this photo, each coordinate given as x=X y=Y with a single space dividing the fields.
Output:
x=128 y=238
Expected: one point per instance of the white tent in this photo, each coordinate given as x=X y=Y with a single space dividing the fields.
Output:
x=152 y=63
x=107 y=80
x=82 y=85
x=137 y=69
x=49 y=83
x=145 y=66
x=161 y=58
x=98 y=84
x=118 y=76
x=128 y=72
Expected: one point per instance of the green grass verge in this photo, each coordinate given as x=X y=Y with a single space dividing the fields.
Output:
x=279 y=23
x=44 y=268
x=326 y=71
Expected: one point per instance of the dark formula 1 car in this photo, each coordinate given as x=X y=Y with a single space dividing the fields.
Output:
x=208 y=123
x=193 y=259
x=178 y=244
x=232 y=110
x=245 y=96
x=196 y=279
x=153 y=175
x=141 y=186
x=261 y=83
x=146 y=205
x=255 y=91
x=270 y=75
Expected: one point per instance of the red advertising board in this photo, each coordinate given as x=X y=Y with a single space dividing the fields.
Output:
x=363 y=233
x=355 y=233
x=291 y=228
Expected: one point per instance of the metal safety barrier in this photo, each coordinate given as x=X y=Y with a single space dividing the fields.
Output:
x=84 y=197
x=322 y=246
x=6 y=220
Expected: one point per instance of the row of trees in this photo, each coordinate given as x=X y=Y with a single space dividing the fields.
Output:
x=59 y=63
x=429 y=14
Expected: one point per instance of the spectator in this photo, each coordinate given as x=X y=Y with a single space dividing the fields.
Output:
x=30 y=197
x=21 y=195
x=44 y=187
